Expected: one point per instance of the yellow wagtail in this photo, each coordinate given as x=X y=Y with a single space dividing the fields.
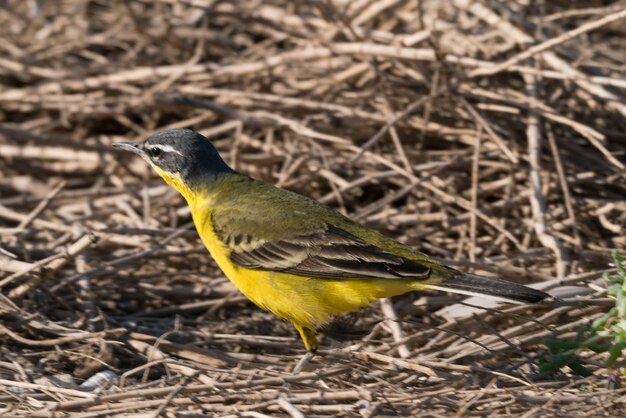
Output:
x=291 y=255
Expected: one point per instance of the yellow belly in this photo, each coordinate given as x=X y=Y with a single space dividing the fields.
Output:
x=309 y=302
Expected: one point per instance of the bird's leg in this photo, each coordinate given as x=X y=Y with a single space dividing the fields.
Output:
x=310 y=342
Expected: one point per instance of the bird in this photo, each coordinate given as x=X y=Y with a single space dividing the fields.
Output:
x=301 y=260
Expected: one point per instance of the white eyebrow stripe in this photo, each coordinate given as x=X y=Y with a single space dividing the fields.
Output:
x=165 y=148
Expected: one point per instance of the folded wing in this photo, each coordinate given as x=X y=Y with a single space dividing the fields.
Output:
x=328 y=253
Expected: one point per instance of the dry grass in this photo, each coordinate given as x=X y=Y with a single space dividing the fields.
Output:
x=487 y=133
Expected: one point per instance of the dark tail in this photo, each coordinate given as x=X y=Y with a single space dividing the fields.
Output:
x=470 y=284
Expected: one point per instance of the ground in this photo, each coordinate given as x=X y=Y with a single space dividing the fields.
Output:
x=487 y=134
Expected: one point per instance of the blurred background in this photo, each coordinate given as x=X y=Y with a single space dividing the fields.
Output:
x=489 y=134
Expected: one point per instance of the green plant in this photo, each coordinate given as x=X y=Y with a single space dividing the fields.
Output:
x=606 y=334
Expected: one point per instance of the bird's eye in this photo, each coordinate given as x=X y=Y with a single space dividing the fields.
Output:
x=155 y=152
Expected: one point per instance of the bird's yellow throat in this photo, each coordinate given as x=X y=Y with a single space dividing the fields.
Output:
x=175 y=180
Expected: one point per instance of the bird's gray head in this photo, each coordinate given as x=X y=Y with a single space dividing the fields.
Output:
x=183 y=157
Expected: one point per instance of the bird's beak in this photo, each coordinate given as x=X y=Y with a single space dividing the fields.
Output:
x=135 y=147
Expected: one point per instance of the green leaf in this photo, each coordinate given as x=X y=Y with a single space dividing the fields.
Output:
x=579 y=369
x=605 y=334
x=599 y=323
x=615 y=353
x=555 y=363
x=560 y=345
x=600 y=348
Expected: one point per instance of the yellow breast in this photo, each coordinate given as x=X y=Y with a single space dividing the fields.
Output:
x=309 y=302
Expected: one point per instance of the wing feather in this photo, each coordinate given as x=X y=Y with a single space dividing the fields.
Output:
x=329 y=253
